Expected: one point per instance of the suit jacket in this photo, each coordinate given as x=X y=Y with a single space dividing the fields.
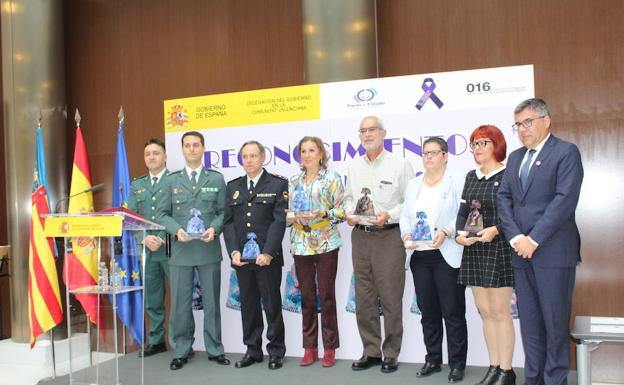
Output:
x=143 y=199
x=262 y=212
x=448 y=206
x=545 y=209
x=175 y=201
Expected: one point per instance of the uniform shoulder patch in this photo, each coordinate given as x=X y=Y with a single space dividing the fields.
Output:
x=140 y=177
x=212 y=170
x=236 y=179
x=278 y=176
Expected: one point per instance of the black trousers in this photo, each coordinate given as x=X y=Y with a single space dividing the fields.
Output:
x=440 y=298
x=262 y=284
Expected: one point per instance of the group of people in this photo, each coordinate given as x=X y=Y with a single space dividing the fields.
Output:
x=527 y=240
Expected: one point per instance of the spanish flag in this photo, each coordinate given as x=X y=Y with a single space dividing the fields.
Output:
x=81 y=268
x=44 y=300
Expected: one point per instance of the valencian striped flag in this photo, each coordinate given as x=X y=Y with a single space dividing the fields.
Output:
x=44 y=299
x=81 y=262
x=130 y=304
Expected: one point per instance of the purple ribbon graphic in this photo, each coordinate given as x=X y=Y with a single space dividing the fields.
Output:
x=428 y=86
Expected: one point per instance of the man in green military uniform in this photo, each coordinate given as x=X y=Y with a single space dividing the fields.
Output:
x=190 y=206
x=143 y=199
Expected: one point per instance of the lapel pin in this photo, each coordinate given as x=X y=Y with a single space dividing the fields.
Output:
x=495 y=184
x=236 y=194
x=538 y=163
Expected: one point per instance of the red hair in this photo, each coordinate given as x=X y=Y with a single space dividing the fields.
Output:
x=488 y=131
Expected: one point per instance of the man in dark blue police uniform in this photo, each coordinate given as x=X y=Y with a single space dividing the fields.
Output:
x=256 y=203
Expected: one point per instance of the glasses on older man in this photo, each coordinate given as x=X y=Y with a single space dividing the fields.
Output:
x=371 y=129
x=479 y=143
x=526 y=123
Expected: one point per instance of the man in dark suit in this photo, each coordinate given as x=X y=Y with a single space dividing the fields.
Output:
x=194 y=199
x=256 y=203
x=536 y=204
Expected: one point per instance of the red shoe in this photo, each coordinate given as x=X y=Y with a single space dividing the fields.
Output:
x=309 y=356
x=329 y=358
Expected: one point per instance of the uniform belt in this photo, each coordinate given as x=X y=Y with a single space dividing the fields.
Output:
x=315 y=226
x=371 y=229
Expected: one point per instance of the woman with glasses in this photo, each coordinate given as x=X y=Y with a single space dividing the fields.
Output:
x=315 y=209
x=427 y=226
x=486 y=263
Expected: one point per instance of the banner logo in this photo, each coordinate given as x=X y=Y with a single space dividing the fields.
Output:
x=429 y=86
x=364 y=99
x=365 y=95
x=178 y=118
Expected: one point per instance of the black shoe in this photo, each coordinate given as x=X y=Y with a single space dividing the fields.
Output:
x=150 y=350
x=428 y=369
x=275 y=362
x=246 y=361
x=221 y=359
x=490 y=376
x=505 y=377
x=365 y=362
x=455 y=375
x=177 y=363
x=389 y=365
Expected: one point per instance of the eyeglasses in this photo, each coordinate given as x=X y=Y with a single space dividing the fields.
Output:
x=372 y=129
x=479 y=143
x=526 y=123
x=432 y=154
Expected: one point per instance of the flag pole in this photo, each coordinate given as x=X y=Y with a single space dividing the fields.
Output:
x=53 y=347
x=121 y=116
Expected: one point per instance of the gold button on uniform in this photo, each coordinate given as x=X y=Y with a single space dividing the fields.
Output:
x=248 y=224
x=249 y=204
x=248 y=214
x=153 y=198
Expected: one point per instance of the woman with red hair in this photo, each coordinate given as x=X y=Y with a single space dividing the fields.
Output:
x=486 y=262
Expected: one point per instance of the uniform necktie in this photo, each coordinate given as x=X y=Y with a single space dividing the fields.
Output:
x=251 y=186
x=193 y=179
x=524 y=171
x=154 y=180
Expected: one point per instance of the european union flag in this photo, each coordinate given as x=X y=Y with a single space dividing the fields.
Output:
x=129 y=305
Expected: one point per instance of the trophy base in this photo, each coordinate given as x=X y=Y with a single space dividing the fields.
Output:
x=365 y=220
x=469 y=233
x=418 y=244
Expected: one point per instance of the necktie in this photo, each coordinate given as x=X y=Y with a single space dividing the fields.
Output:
x=193 y=179
x=251 y=186
x=524 y=171
x=154 y=180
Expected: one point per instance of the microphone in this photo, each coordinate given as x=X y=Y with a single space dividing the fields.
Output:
x=95 y=188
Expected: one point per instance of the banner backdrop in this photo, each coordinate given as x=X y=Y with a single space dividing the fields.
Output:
x=413 y=108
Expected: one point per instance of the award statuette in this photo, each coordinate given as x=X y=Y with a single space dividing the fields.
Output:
x=474 y=223
x=251 y=250
x=301 y=203
x=364 y=209
x=421 y=234
x=195 y=226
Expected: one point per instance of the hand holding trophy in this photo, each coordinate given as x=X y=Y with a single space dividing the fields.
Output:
x=364 y=212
